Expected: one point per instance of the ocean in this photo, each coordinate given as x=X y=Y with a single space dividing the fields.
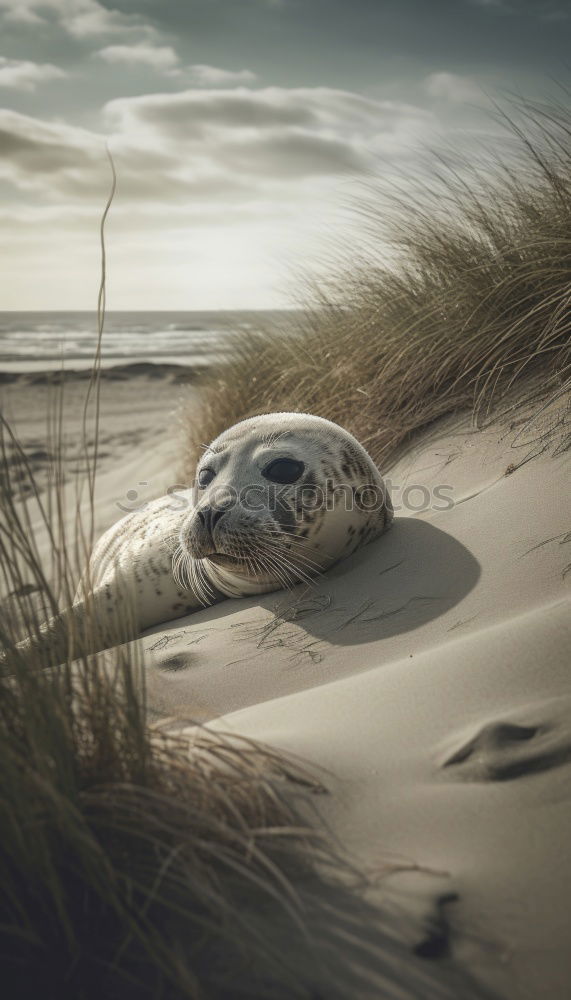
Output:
x=32 y=341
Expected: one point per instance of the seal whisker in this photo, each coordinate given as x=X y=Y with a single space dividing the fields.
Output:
x=281 y=546
x=296 y=560
x=195 y=583
x=189 y=576
x=202 y=586
x=270 y=567
x=306 y=574
x=176 y=567
x=286 y=569
x=302 y=561
x=292 y=542
x=274 y=567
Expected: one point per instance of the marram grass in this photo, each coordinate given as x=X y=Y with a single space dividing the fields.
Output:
x=474 y=304
x=132 y=864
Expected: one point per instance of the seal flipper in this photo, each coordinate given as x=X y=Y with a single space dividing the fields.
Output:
x=105 y=619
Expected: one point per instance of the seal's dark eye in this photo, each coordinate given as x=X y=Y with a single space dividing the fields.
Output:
x=283 y=470
x=205 y=476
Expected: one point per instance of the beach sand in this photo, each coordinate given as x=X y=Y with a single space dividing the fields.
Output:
x=138 y=429
x=429 y=676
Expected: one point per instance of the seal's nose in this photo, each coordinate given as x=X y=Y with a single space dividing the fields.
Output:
x=209 y=517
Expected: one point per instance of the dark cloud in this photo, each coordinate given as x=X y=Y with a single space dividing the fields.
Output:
x=70 y=164
x=187 y=114
x=273 y=134
x=293 y=154
x=33 y=157
x=32 y=147
x=195 y=115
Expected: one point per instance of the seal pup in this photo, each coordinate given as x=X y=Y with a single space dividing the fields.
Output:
x=277 y=500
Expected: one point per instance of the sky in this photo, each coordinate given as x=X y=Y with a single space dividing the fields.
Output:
x=242 y=132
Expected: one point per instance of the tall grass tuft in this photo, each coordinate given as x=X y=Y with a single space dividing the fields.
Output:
x=131 y=863
x=459 y=293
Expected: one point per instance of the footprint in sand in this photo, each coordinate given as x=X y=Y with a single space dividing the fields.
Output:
x=534 y=738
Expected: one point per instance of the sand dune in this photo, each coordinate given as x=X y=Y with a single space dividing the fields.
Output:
x=429 y=676
x=435 y=576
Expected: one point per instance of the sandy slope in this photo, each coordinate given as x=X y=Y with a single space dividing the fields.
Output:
x=430 y=675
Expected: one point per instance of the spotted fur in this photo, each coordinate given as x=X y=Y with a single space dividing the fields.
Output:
x=165 y=561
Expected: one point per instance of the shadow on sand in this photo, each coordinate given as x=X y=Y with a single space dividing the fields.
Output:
x=409 y=577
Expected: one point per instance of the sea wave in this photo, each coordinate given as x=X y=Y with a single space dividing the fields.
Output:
x=188 y=336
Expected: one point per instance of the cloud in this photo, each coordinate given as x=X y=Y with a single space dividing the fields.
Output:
x=23 y=75
x=79 y=18
x=159 y=57
x=30 y=149
x=453 y=88
x=64 y=163
x=207 y=147
x=192 y=114
x=271 y=138
x=19 y=13
x=295 y=154
x=189 y=114
x=211 y=182
x=212 y=76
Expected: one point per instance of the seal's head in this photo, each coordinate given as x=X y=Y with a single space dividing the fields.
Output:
x=279 y=498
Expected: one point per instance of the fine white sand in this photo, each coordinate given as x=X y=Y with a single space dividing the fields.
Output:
x=430 y=676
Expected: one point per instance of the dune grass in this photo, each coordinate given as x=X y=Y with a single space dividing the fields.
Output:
x=132 y=863
x=474 y=303
x=129 y=867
